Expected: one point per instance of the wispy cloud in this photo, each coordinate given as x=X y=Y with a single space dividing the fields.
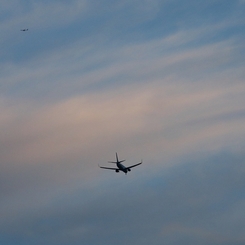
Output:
x=178 y=210
x=42 y=14
x=158 y=80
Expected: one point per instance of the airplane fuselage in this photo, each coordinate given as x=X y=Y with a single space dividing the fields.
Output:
x=122 y=167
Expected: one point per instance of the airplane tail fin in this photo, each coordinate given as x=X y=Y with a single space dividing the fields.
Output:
x=117 y=160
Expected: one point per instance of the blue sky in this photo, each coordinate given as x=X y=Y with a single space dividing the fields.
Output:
x=161 y=81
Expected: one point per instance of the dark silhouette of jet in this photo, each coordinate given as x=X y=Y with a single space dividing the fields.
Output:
x=120 y=166
x=24 y=29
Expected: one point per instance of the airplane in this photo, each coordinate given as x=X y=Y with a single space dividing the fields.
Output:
x=120 y=166
x=24 y=29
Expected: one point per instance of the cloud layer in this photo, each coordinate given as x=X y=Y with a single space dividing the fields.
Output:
x=161 y=81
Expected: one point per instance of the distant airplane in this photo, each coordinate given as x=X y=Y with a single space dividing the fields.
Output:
x=24 y=29
x=121 y=167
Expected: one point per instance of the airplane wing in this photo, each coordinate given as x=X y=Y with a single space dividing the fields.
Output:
x=134 y=165
x=109 y=168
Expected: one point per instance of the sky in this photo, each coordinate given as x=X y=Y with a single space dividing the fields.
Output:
x=157 y=80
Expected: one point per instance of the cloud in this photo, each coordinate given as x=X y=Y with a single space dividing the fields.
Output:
x=57 y=128
x=198 y=201
x=83 y=66
x=44 y=14
x=58 y=143
x=159 y=95
x=144 y=79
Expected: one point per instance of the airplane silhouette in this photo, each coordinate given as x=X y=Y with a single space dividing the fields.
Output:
x=24 y=29
x=120 y=166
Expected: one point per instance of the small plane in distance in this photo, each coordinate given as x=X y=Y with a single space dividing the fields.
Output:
x=120 y=166
x=24 y=29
